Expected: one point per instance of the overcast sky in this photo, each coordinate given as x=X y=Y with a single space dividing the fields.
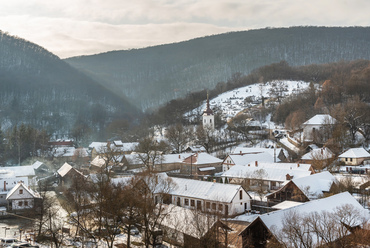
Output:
x=81 y=27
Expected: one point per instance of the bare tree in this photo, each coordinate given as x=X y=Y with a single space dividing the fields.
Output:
x=277 y=90
x=150 y=152
x=178 y=136
x=206 y=137
x=320 y=229
x=259 y=179
x=152 y=190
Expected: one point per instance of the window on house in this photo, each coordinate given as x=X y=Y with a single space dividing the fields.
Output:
x=220 y=207
x=25 y=203
x=213 y=206
x=21 y=191
x=346 y=159
x=240 y=194
x=350 y=159
x=186 y=202
x=192 y=203
x=20 y=203
x=210 y=121
x=208 y=205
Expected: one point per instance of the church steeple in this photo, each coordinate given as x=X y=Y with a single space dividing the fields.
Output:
x=208 y=110
x=208 y=117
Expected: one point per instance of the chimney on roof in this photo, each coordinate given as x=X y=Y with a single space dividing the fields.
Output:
x=240 y=152
x=298 y=165
x=256 y=163
x=179 y=156
x=4 y=185
x=322 y=152
x=288 y=177
x=249 y=164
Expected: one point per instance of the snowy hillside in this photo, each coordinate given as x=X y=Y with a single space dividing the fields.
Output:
x=232 y=102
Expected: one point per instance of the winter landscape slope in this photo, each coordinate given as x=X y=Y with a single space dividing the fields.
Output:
x=153 y=76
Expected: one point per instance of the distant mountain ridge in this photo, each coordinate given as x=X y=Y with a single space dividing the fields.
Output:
x=38 y=88
x=155 y=75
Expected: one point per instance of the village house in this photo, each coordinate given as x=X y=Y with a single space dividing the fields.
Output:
x=41 y=169
x=268 y=226
x=64 y=154
x=7 y=184
x=313 y=126
x=201 y=164
x=304 y=188
x=319 y=158
x=22 y=197
x=271 y=175
x=354 y=156
x=189 y=228
x=223 y=199
x=66 y=174
x=117 y=147
x=244 y=156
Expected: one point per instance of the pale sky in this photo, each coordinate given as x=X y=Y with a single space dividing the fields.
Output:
x=82 y=27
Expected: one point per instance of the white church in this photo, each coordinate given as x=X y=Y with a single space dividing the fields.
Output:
x=208 y=116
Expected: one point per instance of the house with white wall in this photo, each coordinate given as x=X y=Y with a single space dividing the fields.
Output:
x=354 y=156
x=22 y=197
x=246 y=155
x=7 y=184
x=226 y=199
x=315 y=124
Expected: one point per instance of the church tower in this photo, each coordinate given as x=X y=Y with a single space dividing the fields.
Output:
x=208 y=117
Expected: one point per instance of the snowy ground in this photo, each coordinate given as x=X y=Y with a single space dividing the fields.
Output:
x=232 y=102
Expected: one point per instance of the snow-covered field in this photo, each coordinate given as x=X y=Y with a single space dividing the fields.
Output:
x=232 y=102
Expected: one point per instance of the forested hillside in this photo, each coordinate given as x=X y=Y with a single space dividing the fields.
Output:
x=39 y=89
x=153 y=76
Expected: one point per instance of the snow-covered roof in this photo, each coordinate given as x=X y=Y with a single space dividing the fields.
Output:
x=355 y=153
x=272 y=172
x=196 y=148
x=318 y=154
x=173 y=158
x=286 y=204
x=320 y=120
x=205 y=190
x=247 y=158
x=274 y=220
x=24 y=187
x=37 y=164
x=314 y=185
x=67 y=151
x=98 y=161
x=121 y=180
x=187 y=221
x=133 y=158
x=202 y=159
x=17 y=171
x=97 y=145
x=118 y=142
x=207 y=168
x=116 y=145
x=64 y=169
x=11 y=182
